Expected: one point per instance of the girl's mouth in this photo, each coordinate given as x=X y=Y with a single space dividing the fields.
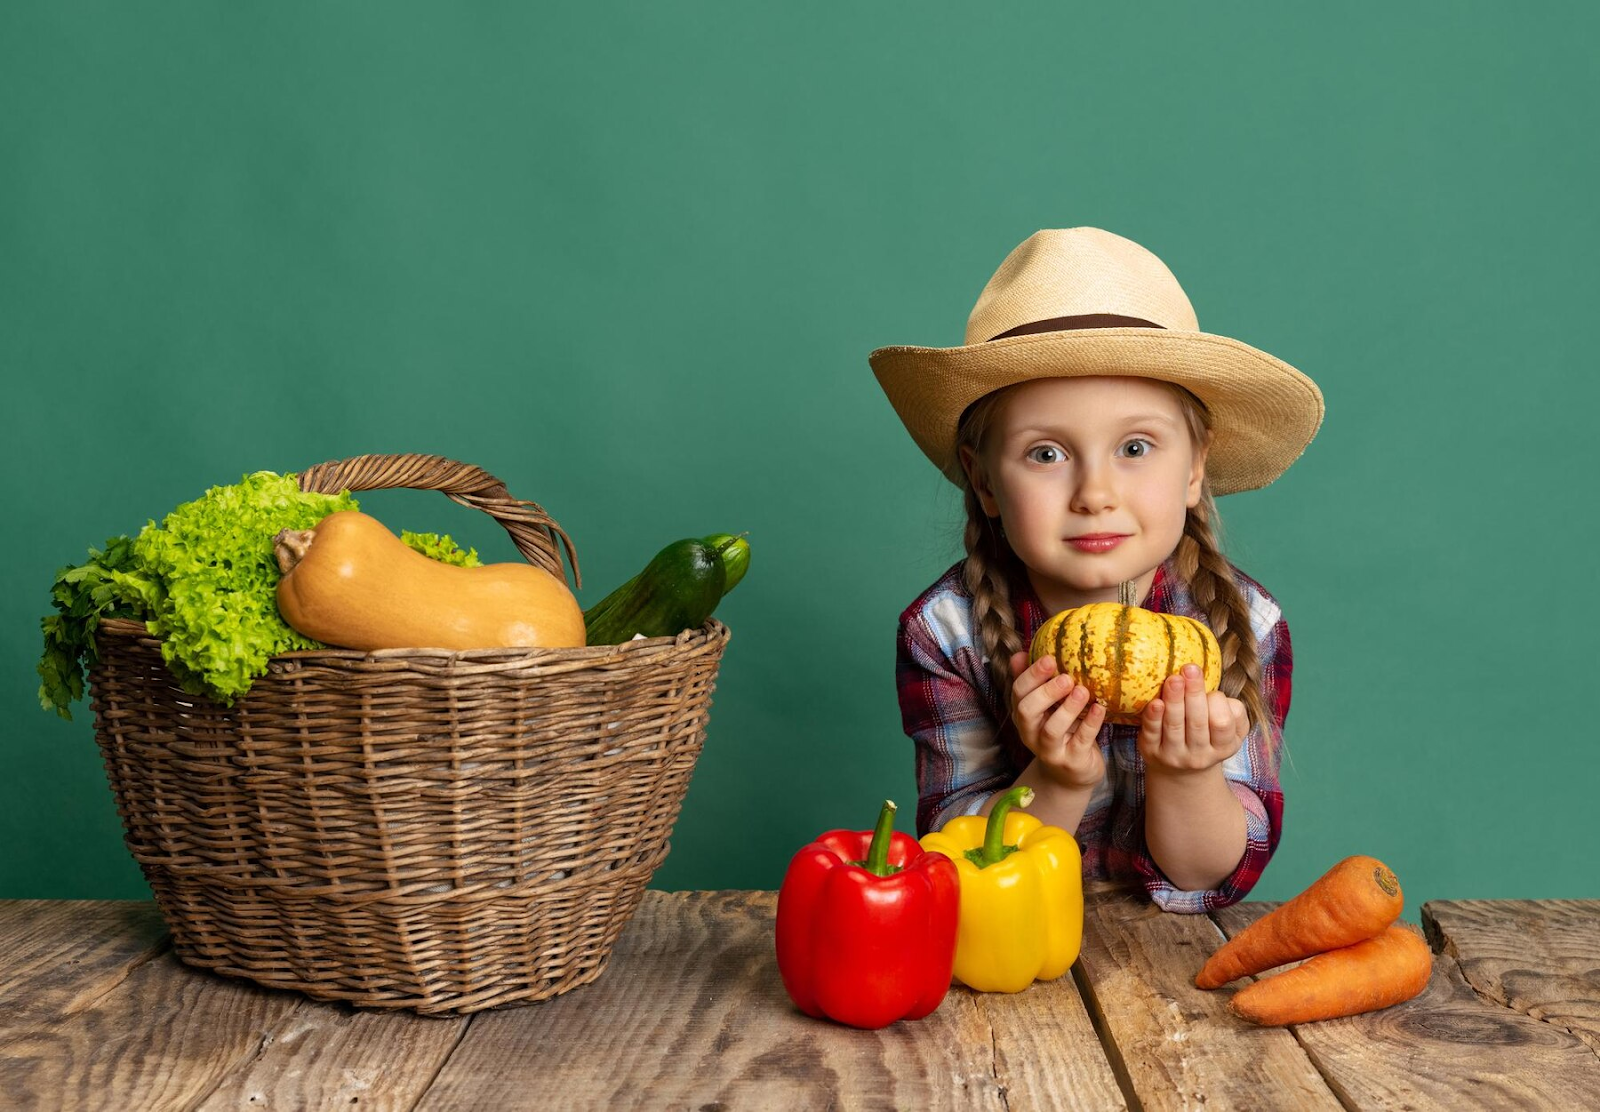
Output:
x=1097 y=542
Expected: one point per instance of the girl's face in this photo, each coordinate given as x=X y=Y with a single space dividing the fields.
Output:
x=1065 y=458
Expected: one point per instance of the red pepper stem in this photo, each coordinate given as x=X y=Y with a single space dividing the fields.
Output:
x=993 y=834
x=877 y=862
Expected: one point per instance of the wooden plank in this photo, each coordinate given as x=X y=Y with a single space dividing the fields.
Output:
x=328 y=1055
x=94 y=1013
x=1445 y=1049
x=1046 y=1051
x=164 y=1038
x=58 y=957
x=1177 y=1046
x=1540 y=957
x=691 y=1011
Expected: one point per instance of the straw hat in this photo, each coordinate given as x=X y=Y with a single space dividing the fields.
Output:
x=1083 y=301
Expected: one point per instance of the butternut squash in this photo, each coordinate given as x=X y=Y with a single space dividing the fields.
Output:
x=350 y=582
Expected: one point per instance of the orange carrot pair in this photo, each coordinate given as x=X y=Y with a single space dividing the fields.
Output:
x=1387 y=969
x=1360 y=959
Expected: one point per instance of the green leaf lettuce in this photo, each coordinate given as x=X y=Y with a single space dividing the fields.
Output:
x=218 y=616
x=205 y=582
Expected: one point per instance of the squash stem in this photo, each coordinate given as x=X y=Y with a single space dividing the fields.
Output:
x=290 y=547
x=994 y=834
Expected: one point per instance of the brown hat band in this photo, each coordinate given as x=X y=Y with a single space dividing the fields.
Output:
x=1066 y=324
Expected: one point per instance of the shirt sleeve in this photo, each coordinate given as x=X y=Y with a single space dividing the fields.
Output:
x=958 y=757
x=1252 y=774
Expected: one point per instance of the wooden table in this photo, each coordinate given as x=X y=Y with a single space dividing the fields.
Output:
x=96 y=1013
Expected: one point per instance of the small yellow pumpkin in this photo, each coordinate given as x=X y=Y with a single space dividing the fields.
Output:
x=1123 y=653
x=350 y=582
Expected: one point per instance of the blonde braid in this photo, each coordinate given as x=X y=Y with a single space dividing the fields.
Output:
x=990 y=562
x=1201 y=564
x=985 y=576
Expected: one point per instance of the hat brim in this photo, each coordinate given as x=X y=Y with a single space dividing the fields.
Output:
x=1264 y=412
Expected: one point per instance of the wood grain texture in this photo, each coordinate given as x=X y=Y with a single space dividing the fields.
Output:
x=334 y=1056
x=164 y=1038
x=718 y=1031
x=1540 y=957
x=96 y=1013
x=1447 y=1048
x=1177 y=1046
x=1047 y=1053
x=59 y=957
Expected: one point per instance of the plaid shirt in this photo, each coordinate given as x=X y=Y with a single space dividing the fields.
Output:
x=950 y=709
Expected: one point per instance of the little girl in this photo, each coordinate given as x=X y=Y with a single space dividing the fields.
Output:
x=1089 y=423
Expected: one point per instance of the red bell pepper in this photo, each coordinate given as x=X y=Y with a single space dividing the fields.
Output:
x=866 y=929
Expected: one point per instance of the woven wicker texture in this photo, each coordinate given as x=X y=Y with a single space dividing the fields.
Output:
x=439 y=831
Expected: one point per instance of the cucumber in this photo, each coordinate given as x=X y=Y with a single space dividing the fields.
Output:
x=735 y=557
x=677 y=590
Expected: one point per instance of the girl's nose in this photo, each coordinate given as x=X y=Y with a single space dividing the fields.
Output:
x=1094 y=490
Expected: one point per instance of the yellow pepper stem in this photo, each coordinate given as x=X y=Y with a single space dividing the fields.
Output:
x=994 y=847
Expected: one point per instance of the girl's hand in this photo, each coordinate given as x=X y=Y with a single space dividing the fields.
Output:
x=1188 y=729
x=1050 y=716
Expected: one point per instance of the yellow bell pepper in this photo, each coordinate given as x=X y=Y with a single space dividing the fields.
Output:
x=1021 y=896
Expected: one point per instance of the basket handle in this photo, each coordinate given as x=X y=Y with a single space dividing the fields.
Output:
x=533 y=531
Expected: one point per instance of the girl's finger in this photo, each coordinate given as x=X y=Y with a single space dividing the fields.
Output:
x=1195 y=711
x=1241 y=719
x=1019 y=663
x=1088 y=731
x=1219 y=710
x=1082 y=749
x=1034 y=708
x=1150 y=726
x=1029 y=680
x=1060 y=723
x=1173 y=719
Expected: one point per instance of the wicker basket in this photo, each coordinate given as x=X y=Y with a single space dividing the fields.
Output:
x=440 y=831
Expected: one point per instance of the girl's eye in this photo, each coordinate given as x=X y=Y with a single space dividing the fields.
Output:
x=1135 y=449
x=1045 y=453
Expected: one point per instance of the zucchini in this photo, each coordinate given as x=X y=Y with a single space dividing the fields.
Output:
x=677 y=590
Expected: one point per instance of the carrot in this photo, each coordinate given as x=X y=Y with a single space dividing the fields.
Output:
x=1372 y=974
x=1352 y=901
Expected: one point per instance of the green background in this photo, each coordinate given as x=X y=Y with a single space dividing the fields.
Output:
x=631 y=259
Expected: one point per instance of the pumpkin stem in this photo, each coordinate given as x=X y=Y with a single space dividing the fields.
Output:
x=290 y=547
